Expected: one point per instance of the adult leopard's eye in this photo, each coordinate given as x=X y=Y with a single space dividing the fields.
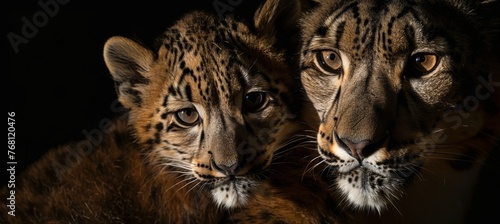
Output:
x=255 y=101
x=424 y=62
x=187 y=117
x=329 y=61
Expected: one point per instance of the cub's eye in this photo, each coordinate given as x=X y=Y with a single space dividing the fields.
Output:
x=255 y=101
x=187 y=117
x=329 y=61
x=424 y=62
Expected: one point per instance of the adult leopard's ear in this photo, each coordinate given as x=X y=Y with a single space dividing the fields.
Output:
x=128 y=63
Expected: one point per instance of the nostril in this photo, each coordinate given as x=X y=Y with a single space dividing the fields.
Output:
x=227 y=169
x=342 y=144
x=358 y=149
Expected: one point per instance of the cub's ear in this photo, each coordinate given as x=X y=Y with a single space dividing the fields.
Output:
x=310 y=4
x=276 y=15
x=278 y=21
x=128 y=63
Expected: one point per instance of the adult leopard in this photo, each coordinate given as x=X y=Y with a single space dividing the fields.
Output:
x=408 y=94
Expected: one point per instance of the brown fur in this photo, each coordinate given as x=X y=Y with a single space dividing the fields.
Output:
x=113 y=183
x=292 y=195
x=426 y=146
x=149 y=167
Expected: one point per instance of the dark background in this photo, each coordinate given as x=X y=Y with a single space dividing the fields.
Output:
x=57 y=82
x=58 y=85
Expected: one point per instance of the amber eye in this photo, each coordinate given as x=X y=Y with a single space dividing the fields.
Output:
x=424 y=62
x=255 y=101
x=329 y=61
x=187 y=117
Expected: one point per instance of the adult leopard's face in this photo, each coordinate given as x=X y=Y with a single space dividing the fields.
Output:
x=398 y=86
x=212 y=103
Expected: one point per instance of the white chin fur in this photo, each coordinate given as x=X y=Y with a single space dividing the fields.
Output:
x=369 y=191
x=232 y=194
x=361 y=197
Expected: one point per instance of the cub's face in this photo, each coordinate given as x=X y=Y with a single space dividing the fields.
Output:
x=207 y=104
x=398 y=86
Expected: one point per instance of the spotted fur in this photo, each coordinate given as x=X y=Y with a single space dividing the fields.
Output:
x=408 y=94
x=207 y=109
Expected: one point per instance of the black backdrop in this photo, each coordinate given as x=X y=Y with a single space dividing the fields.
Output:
x=58 y=85
x=57 y=82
